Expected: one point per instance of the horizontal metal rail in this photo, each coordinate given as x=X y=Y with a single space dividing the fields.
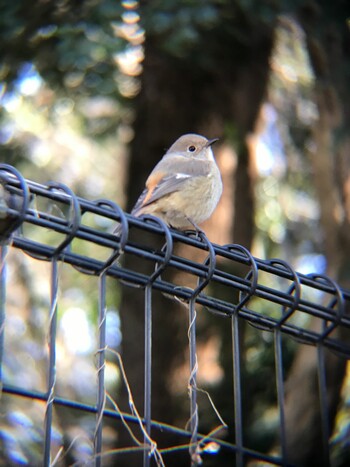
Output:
x=290 y=300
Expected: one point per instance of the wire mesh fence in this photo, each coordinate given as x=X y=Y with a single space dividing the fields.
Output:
x=63 y=236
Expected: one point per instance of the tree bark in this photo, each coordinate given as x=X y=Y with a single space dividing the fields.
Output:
x=180 y=96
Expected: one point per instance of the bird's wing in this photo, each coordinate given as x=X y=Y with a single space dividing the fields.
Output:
x=158 y=186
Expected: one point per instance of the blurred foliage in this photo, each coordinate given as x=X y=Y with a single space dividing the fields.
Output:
x=62 y=91
x=287 y=212
x=71 y=43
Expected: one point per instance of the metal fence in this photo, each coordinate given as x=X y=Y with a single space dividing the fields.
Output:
x=19 y=208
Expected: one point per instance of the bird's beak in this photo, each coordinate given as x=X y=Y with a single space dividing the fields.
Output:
x=211 y=141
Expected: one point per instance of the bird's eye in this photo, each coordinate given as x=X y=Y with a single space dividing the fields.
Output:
x=192 y=148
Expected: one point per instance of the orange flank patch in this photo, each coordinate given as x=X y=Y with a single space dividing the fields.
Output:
x=151 y=184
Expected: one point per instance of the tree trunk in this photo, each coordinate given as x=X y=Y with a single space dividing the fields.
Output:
x=180 y=96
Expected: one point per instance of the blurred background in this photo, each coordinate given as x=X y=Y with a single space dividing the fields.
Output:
x=92 y=93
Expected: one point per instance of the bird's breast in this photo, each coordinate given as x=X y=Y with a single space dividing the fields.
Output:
x=196 y=201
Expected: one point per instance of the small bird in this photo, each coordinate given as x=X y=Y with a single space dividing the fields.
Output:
x=185 y=186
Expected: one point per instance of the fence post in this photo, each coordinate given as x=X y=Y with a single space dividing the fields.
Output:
x=3 y=253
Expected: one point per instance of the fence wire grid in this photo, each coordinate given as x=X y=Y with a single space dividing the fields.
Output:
x=29 y=215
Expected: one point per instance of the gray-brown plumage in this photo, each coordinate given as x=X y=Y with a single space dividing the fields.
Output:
x=185 y=186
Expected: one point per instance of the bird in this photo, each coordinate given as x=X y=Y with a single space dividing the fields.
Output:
x=185 y=186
